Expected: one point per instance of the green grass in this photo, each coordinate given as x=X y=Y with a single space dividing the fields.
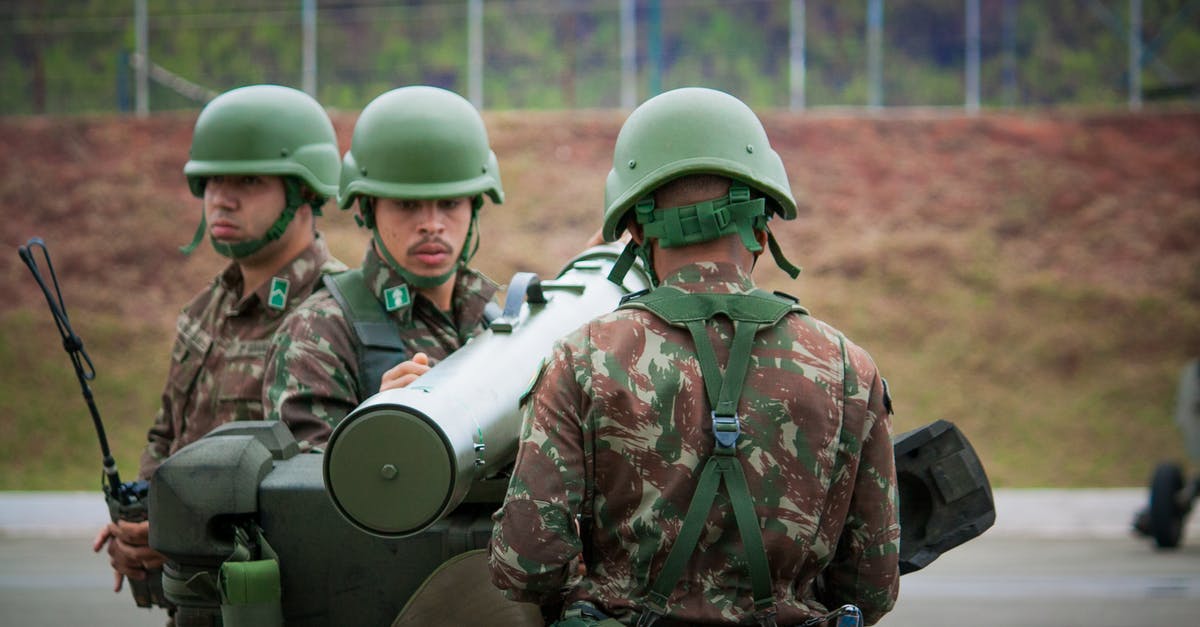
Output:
x=1055 y=384
x=47 y=438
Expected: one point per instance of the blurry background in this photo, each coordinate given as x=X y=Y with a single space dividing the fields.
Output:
x=73 y=56
x=1003 y=196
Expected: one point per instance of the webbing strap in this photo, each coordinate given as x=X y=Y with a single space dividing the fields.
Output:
x=685 y=543
x=749 y=314
x=701 y=222
x=378 y=338
x=790 y=268
x=743 y=511
x=718 y=468
x=710 y=371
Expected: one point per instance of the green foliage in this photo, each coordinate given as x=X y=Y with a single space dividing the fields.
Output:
x=68 y=56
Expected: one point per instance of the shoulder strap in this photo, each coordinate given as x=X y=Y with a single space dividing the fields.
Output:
x=678 y=307
x=376 y=334
x=749 y=313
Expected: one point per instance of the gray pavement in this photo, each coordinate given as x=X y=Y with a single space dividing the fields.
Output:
x=1054 y=557
x=1029 y=513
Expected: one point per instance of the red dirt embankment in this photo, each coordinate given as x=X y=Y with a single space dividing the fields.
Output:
x=1102 y=199
x=918 y=226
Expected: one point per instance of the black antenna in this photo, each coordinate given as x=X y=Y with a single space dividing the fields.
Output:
x=84 y=370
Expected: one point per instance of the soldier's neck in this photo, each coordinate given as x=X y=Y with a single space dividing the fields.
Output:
x=441 y=295
x=266 y=263
x=728 y=249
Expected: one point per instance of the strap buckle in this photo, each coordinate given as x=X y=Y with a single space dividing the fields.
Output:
x=727 y=430
x=656 y=608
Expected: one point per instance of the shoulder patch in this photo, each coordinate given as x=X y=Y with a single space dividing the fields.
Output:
x=278 y=294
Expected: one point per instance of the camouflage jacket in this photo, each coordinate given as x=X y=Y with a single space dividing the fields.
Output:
x=312 y=370
x=216 y=372
x=616 y=428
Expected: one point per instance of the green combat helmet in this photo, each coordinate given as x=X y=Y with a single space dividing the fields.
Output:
x=695 y=131
x=418 y=143
x=264 y=130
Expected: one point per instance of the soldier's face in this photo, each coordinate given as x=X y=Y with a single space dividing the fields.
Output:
x=424 y=236
x=242 y=207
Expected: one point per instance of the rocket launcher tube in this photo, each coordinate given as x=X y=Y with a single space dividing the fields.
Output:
x=405 y=458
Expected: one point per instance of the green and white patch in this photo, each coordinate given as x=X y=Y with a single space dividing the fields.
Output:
x=278 y=295
x=396 y=297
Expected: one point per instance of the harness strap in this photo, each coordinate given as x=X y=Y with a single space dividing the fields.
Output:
x=749 y=313
x=380 y=346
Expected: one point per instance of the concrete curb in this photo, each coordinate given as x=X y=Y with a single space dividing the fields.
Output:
x=1036 y=513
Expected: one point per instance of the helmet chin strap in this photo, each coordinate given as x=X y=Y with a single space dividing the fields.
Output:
x=416 y=280
x=294 y=199
x=673 y=227
x=629 y=254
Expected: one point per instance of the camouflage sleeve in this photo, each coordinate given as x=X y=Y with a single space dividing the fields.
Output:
x=181 y=374
x=310 y=378
x=158 y=445
x=865 y=569
x=535 y=537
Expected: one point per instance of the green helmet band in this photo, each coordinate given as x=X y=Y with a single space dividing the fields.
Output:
x=294 y=199
x=704 y=221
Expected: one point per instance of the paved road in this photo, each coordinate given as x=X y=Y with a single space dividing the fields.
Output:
x=47 y=582
x=1001 y=581
x=1053 y=558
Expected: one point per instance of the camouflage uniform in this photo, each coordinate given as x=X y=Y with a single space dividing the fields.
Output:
x=312 y=370
x=616 y=428
x=216 y=373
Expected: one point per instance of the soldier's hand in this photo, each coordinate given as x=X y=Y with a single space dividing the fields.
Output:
x=129 y=550
x=108 y=534
x=404 y=373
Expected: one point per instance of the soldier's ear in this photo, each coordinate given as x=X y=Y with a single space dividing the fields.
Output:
x=635 y=232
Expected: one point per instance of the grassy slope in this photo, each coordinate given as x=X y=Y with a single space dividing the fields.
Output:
x=1034 y=279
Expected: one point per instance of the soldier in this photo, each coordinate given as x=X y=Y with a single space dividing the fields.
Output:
x=418 y=168
x=264 y=158
x=614 y=507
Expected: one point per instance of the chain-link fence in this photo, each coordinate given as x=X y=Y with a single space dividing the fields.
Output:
x=74 y=56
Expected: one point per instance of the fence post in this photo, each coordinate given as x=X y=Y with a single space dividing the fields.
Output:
x=796 y=48
x=1135 y=55
x=628 y=55
x=654 y=46
x=875 y=54
x=141 y=33
x=308 y=53
x=972 y=28
x=475 y=53
x=1009 y=36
